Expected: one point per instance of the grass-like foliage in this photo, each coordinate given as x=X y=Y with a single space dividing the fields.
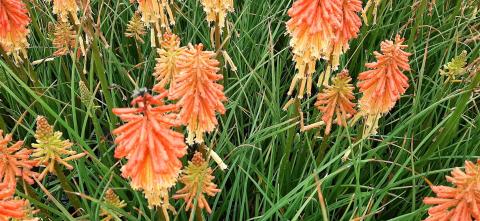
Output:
x=277 y=170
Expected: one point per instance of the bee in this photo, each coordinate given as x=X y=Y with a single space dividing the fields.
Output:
x=140 y=92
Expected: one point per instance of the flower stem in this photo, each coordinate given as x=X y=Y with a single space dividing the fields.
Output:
x=67 y=187
x=218 y=45
x=198 y=214
x=100 y=70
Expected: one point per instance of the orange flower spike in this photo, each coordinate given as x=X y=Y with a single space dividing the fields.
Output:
x=14 y=32
x=460 y=202
x=13 y=209
x=151 y=146
x=385 y=83
x=197 y=178
x=337 y=100
x=166 y=69
x=63 y=8
x=15 y=162
x=198 y=93
x=312 y=28
x=349 y=28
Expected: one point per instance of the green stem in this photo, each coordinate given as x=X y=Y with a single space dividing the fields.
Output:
x=285 y=163
x=30 y=192
x=100 y=69
x=198 y=214
x=322 y=149
x=67 y=187
x=451 y=125
x=218 y=44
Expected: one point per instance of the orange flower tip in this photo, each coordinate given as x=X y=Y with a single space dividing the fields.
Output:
x=150 y=144
x=16 y=162
x=380 y=89
x=199 y=95
x=458 y=201
x=166 y=69
x=14 y=20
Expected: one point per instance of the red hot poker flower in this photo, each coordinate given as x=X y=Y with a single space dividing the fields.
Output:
x=337 y=100
x=385 y=83
x=312 y=27
x=348 y=29
x=166 y=69
x=198 y=93
x=460 y=202
x=64 y=8
x=13 y=209
x=198 y=180
x=151 y=146
x=15 y=162
x=14 y=21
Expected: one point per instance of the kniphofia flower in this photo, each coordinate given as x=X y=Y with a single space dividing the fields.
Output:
x=349 y=26
x=11 y=208
x=14 y=32
x=460 y=202
x=135 y=28
x=217 y=10
x=15 y=162
x=50 y=149
x=455 y=68
x=197 y=178
x=312 y=27
x=385 y=83
x=337 y=100
x=112 y=200
x=64 y=39
x=150 y=145
x=156 y=11
x=166 y=69
x=64 y=8
x=198 y=93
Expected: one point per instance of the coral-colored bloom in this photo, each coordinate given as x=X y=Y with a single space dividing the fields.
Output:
x=13 y=209
x=320 y=29
x=349 y=27
x=15 y=162
x=197 y=178
x=200 y=96
x=383 y=86
x=51 y=149
x=460 y=202
x=337 y=100
x=13 y=22
x=217 y=10
x=166 y=69
x=151 y=146
x=63 y=8
x=312 y=26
